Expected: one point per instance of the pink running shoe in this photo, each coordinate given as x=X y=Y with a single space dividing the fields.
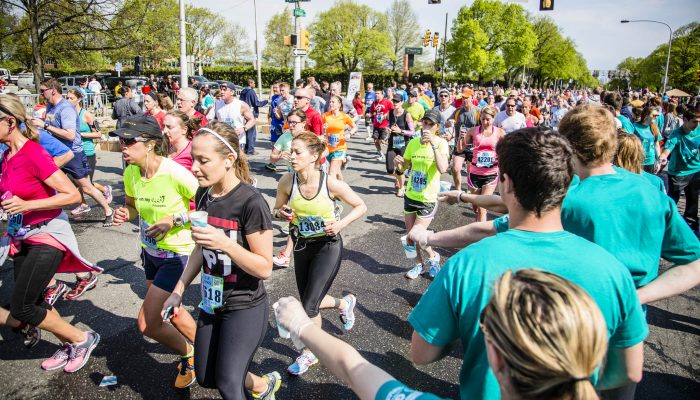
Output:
x=58 y=360
x=80 y=353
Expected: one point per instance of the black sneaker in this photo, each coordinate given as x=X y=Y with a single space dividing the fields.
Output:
x=271 y=167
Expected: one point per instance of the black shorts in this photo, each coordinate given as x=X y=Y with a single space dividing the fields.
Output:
x=77 y=167
x=92 y=163
x=479 y=181
x=163 y=272
x=467 y=154
x=380 y=133
x=422 y=210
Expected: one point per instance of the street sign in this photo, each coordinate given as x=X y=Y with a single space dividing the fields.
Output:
x=413 y=50
x=300 y=52
x=118 y=67
x=299 y=12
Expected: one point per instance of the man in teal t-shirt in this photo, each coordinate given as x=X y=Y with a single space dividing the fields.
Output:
x=683 y=158
x=451 y=307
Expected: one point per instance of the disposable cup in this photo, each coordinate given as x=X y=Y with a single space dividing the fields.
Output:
x=199 y=219
x=408 y=249
x=445 y=186
x=283 y=332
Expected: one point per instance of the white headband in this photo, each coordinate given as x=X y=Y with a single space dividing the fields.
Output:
x=224 y=141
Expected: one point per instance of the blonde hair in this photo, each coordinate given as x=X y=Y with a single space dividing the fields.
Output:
x=11 y=106
x=550 y=333
x=630 y=153
x=591 y=131
x=490 y=110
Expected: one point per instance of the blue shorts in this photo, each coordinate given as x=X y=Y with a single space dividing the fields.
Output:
x=164 y=272
x=77 y=167
x=337 y=155
x=275 y=133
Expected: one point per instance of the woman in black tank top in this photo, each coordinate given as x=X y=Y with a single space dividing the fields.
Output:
x=402 y=130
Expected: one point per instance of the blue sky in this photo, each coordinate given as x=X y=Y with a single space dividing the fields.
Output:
x=593 y=24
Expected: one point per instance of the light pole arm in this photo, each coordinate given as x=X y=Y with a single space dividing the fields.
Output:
x=670 y=40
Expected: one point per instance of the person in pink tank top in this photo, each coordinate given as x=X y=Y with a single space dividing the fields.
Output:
x=483 y=171
x=179 y=129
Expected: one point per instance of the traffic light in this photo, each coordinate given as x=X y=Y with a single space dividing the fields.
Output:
x=304 y=40
x=697 y=74
x=546 y=5
x=426 y=40
x=436 y=39
x=138 y=61
x=290 y=40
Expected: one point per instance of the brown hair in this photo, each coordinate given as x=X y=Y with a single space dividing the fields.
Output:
x=52 y=83
x=630 y=153
x=314 y=143
x=190 y=124
x=299 y=113
x=11 y=106
x=591 y=131
x=229 y=134
x=165 y=102
x=76 y=93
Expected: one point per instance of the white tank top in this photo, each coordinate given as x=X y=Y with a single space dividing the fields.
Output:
x=231 y=114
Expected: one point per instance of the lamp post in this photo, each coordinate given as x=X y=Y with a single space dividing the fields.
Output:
x=670 y=38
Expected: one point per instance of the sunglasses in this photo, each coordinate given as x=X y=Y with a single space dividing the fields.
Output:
x=301 y=97
x=129 y=142
x=444 y=95
x=510 y=105
x=43 y=90
x=397 y=101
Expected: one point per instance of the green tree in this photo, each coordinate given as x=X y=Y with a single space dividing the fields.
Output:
x=348 y=36
x=404 y=31
x=275 y=52
x=490 y=39
x=203 y=30
x=234 y=44
x=555 y=57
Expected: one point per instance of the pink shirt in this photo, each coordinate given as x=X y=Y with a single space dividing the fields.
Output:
x=484 y=160
x=184 y=157
x=24 y=174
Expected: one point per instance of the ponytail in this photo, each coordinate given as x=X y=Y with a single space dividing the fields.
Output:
x=11 y=106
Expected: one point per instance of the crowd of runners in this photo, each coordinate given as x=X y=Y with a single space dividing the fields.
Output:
x=548 y=299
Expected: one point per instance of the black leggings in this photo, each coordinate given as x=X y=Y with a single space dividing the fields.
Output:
x=315 y=266
x=225 y=345
x=35 y=265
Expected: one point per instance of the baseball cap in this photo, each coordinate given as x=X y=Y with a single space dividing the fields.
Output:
x=139 y=125
x=229 y=85
x=447 y=92
x=433 y=116
x=412 y=93
x=397 y=97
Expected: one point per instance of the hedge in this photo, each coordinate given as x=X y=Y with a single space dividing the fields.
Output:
x=240 y=75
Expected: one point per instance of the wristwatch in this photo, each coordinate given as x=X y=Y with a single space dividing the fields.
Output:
x=46 y=125
x=178 y=221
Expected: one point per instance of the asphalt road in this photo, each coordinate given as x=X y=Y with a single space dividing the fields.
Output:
x=373 y=267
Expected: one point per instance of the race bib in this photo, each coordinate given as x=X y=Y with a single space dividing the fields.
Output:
x=14 y=224
x=419 y=180
x=149 y=242
x=311 y=225
x=485 y=159
x=212 y=288
x=380 y=117
x=333 y=140
x=399 y=142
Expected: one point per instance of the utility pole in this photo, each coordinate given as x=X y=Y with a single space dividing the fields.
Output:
x=297 y=57
x=444 y=49
x=183 y=47
x=257 y=48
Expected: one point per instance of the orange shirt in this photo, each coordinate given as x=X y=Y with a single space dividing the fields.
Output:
x=334 y=129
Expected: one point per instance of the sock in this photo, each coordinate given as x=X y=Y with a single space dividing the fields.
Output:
x=337 y=303
x=190 y=354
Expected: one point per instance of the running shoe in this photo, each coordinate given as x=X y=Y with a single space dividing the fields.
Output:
x=108 y=194
x=281 y=260
x=31 y=335
x=302 y=363
x=345 y=164
x=58 y=360
x=255 y=183
x=109 y=219
x=415 y=272
x=434 y=264
x=82 y=285
x=380 y=157
x=79 y=353
x=271 y=167
x=185 y=377
x=55 y=292
x=3 y=215
x=347 y=316
x=81 y=209
x=273 y=380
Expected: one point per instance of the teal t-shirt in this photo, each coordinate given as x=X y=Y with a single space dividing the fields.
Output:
x=451 y=306
x=684 y=158
x=626 y=123
x=645 y=134
x=633 y=220
x=655 y=181
x=88 y=144
x=395 y=390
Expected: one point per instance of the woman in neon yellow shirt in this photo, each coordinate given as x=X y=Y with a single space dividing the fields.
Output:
x=334 y=124
x=158 y=191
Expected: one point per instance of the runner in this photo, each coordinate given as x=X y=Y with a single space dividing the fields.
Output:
x=314 y=123
x=41 y=241
x=335 y=123
x=536 y=353
x=646 y=130
x=630 y=156
x=414 y=108
x=379 y=111
x=234 y=112
x=158 y=191
x=151 y=102
x=510 y=119
x=187 y=99
x=402 y=130
x=370 y=97
x=178 y=129
x=464 y=118
x=296 y=120
x=483 y=171
x=89 y=130
x=234 y=254
x=426 y=155
x=307 y=198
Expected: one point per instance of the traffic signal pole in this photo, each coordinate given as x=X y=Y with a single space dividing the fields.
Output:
x=297 y=58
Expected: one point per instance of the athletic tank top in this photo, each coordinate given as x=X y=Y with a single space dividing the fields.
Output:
x=88 y=144
x=484 y=159
x=398 y=140
x=312 y=215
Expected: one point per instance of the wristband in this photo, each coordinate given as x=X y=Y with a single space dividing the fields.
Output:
x=434 y=147
x=459 y=196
